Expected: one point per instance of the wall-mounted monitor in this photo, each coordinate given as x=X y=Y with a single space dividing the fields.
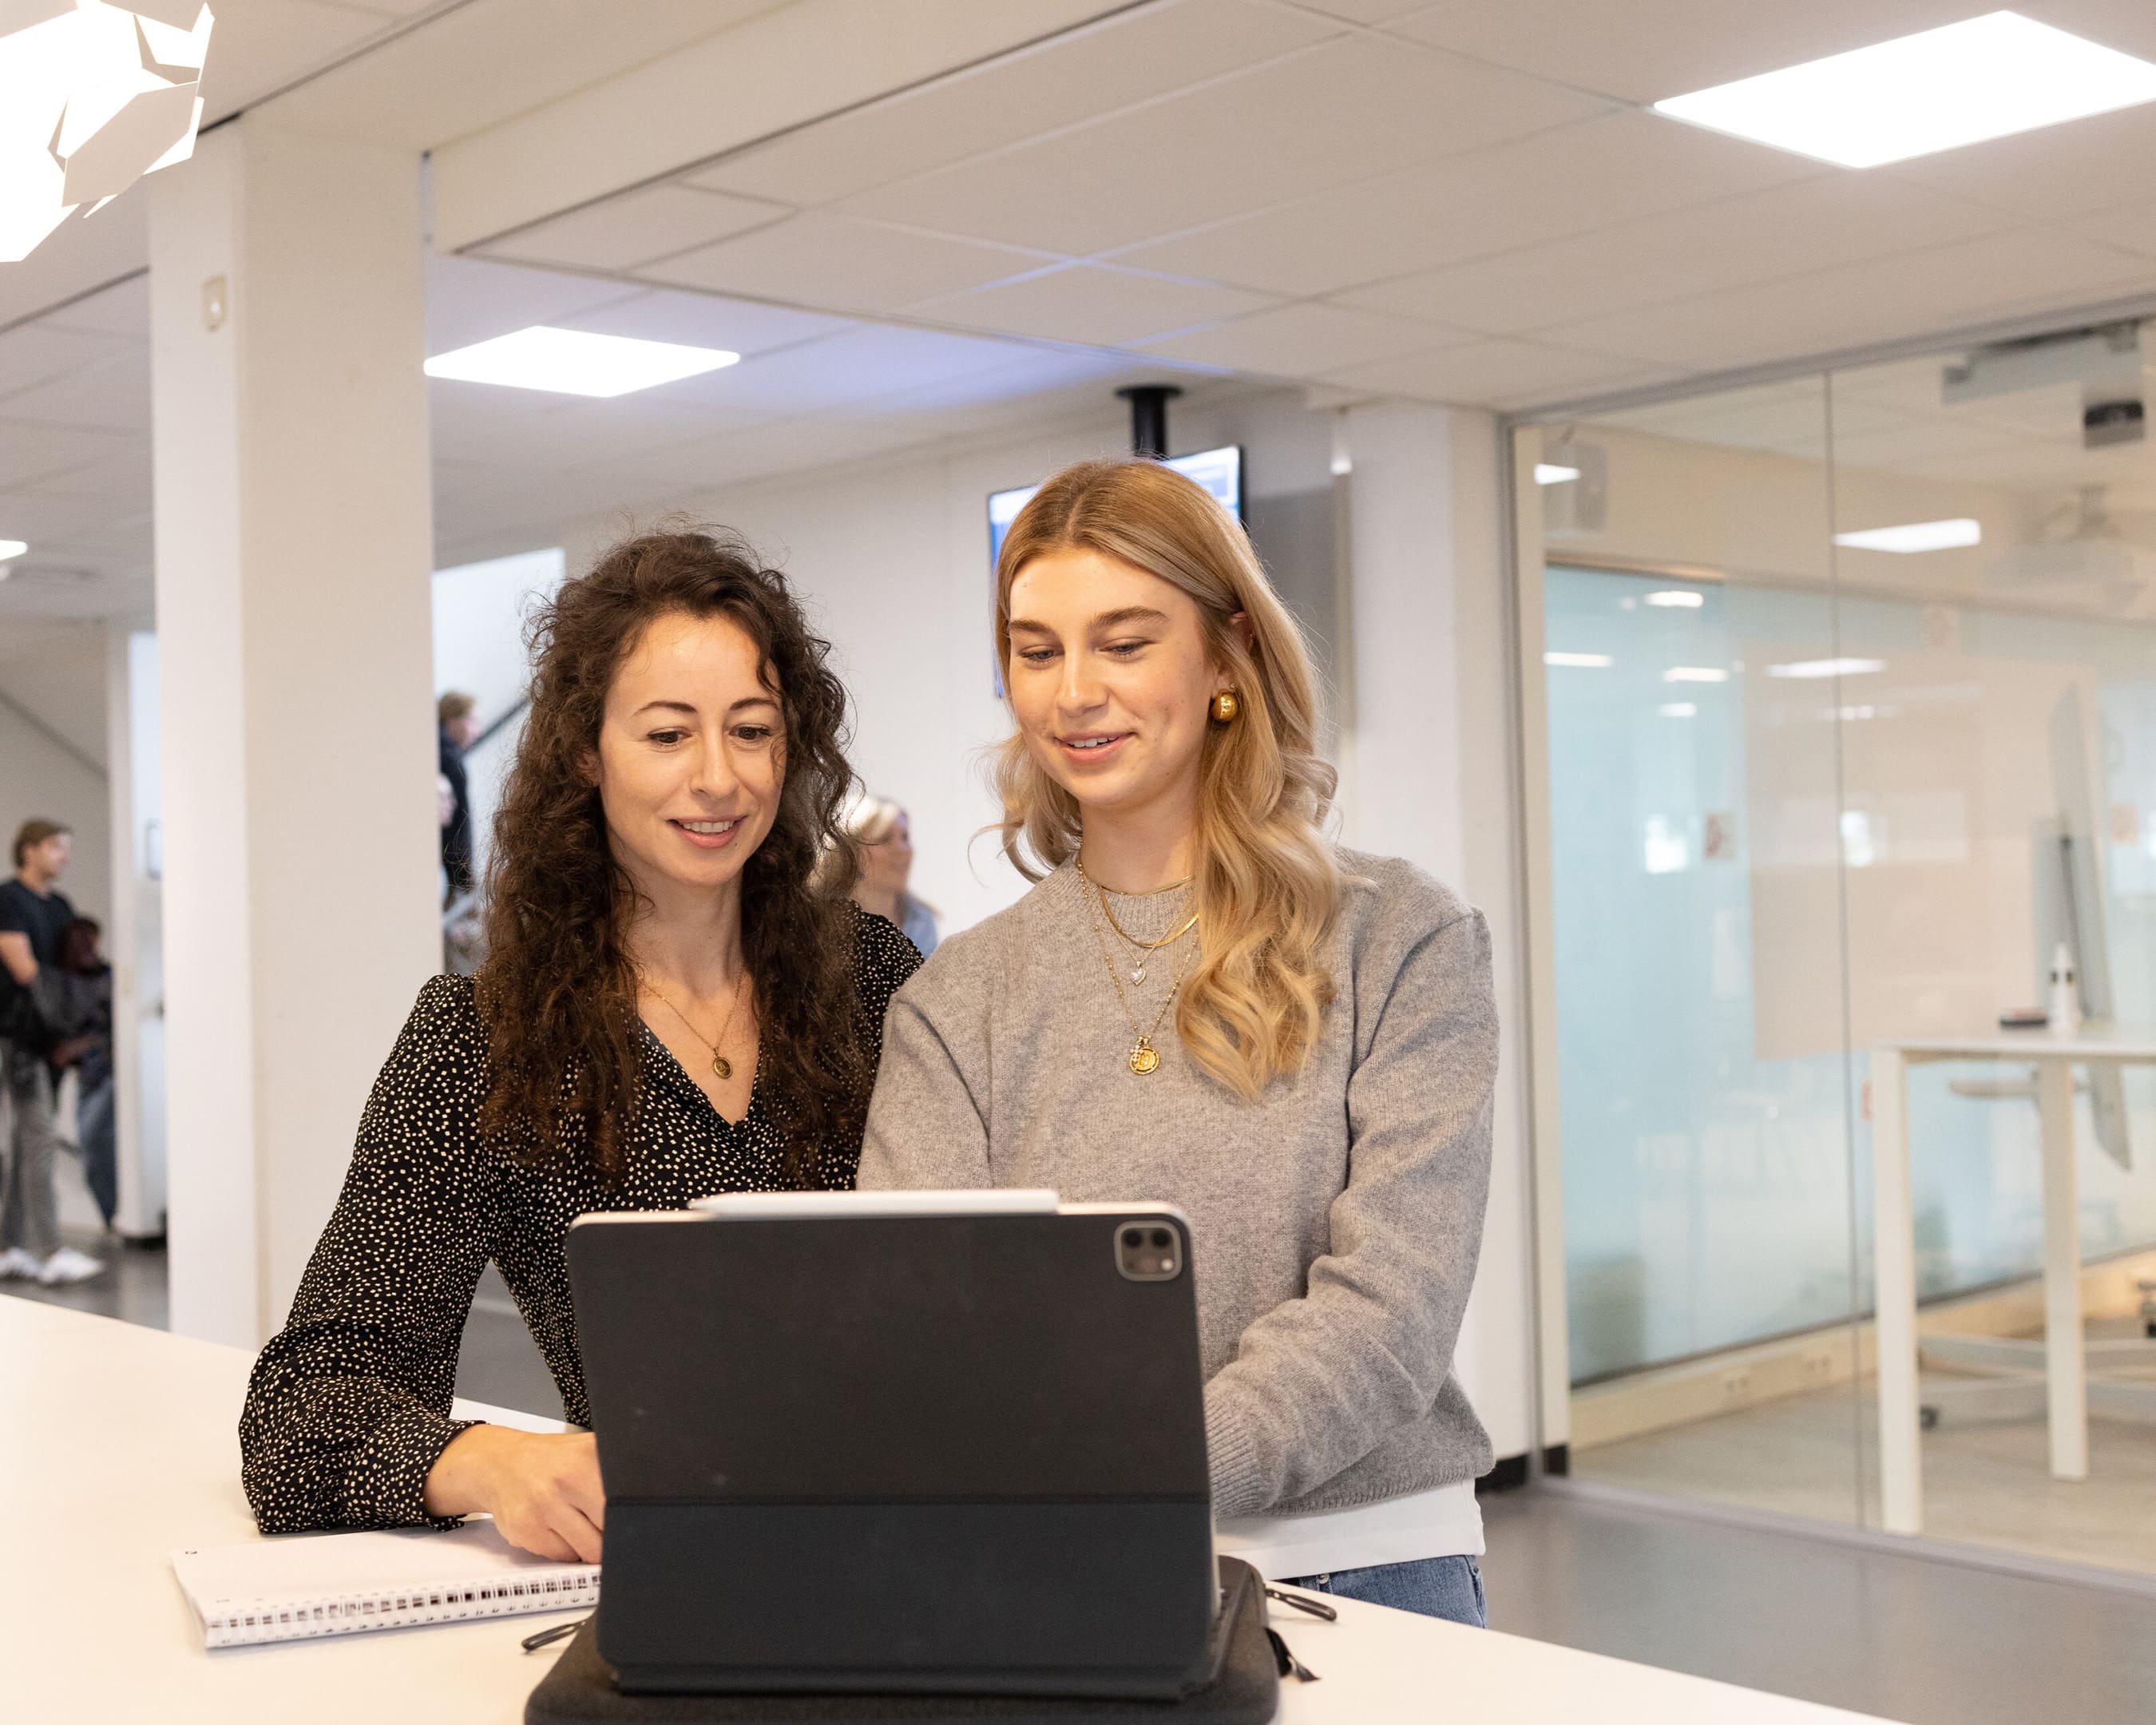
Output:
x=1220 y=471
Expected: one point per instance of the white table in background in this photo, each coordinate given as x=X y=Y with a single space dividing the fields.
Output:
x=118 y=1445
x=1894 y=1249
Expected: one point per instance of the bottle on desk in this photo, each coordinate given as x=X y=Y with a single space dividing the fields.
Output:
x=2065 y=1015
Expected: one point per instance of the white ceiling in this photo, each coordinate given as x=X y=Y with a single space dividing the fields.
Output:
x=1464 y=203
x=1467 y=202
x=811 y=389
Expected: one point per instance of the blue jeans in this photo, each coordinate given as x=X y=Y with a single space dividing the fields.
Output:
x=1451 y=1588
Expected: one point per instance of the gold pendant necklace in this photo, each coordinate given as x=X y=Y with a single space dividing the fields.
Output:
x=1145 y=948
x=722 y=1068
x=1144 y=1057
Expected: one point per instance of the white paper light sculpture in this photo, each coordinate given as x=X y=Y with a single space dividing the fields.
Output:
x=92 y=97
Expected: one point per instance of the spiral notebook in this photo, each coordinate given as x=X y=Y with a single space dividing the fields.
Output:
x=307 y=1584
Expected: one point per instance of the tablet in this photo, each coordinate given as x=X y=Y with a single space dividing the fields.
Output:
x=898 y=1443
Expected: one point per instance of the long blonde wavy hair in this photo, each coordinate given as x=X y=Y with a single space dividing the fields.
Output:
x=1267 y=884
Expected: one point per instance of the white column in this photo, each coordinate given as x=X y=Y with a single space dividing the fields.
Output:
x=1894 y=1298
x=293 y=553
x=134 y=944
x=2065 y=1368
x=1435 y=781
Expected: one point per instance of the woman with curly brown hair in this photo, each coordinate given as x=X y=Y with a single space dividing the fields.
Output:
x=678 y=1001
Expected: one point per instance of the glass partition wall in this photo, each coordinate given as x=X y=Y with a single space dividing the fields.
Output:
x=1842 y=725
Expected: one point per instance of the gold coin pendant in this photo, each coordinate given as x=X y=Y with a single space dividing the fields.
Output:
x=1144 y=1056
x=721 y=1067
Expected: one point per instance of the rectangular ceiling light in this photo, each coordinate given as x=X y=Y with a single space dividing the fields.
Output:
x=10 y=549
x=1584 y=661
x=1554 y=473
x=1828 y=668
x=1983 y=78
x=1694 y=674
x=1679 y=598
x=1916 y=535
x=577 y=361
x=1678 y=709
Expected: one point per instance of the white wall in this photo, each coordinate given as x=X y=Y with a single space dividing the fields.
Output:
x=480 y=610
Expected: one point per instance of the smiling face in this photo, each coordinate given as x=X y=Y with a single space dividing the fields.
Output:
x=691 y=755
x=1110 y=674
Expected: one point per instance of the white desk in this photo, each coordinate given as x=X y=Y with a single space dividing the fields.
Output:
x=1894 y=1250
x=118 y=1444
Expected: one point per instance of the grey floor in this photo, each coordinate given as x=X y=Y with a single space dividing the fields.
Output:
x=1906 y=1637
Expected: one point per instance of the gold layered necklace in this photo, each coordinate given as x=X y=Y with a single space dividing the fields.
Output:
x=1146 y=949
x=1143 y=1058
x=721 y=1068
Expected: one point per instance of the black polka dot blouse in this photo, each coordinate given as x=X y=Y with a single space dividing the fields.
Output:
x=349 y=1405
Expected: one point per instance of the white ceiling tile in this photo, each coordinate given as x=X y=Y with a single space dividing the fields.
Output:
x=42 y=518
x=620 y=233
x=843 y=263
x=1087 y=303
x=1498 y=373
x=1574 y=178
x=34 y=352
x=113 y=394
x=1342 y=111
x=1362 y=11
x=260 y=45
x=2131 y=227
x=119 y=475
x=699 y=319
x=473 y=299
x=861 y=365
x=1644 y=50
x=122 y=309
x=32 y=453
x=1130 y=57
x=527 y=433
x=1784 y=230
x=1303 y=340
x=2085 y=165
x=2022 y=270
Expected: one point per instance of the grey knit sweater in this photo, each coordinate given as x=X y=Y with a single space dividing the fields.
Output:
x=1336 y=1220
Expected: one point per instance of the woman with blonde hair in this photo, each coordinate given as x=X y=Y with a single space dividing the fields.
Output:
x=1203 y=1001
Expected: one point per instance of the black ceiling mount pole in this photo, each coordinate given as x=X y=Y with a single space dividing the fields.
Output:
x=1149 y=417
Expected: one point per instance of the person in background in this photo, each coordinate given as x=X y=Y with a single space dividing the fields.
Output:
x=34 y=918
x=883 y=837
x=457 y=713
x=84 y=983
x=1204 y=1002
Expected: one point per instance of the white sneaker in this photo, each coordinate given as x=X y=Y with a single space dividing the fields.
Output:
x=67 y=1264
x=15 y=1261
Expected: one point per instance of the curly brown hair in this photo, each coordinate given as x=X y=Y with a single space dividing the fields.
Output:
x=558 y=992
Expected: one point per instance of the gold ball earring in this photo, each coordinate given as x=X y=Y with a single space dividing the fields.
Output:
x=1227 y=706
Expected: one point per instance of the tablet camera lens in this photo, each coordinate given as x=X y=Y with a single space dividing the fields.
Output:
x=1160 y=1239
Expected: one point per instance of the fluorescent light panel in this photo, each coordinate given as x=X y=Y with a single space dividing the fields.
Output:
x=1828 y=668
x=1582 y=661
x=1985 y=77
x=576 y=362
x=1554 y=473
x=1694 y=674
x=1677 y=598
x=10 y=549
x=1678 y=709
x=1916 y=535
